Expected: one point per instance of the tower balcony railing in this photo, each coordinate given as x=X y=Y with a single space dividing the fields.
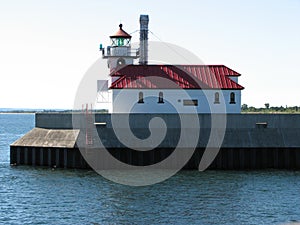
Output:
x=110 y=53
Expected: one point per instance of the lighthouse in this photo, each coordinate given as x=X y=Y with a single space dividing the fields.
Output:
x=157 y=88
x=119 y=53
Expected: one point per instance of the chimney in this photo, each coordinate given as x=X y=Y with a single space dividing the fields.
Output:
x=144 y=20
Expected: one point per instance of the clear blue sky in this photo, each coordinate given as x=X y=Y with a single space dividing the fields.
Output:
x=47 y=46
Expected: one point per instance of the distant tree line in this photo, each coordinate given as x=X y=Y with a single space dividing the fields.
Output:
x=50 y=111
x=245 y=109
x=270 y=109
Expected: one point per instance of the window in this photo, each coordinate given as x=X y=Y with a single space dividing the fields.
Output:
x=121 y=62
x=120 y=41
x=141 y=97
x=232 y=98
x=217 y=98
x=160 y=97
x=193 y=102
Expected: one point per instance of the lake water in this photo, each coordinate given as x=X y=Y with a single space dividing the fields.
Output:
x=31 y=195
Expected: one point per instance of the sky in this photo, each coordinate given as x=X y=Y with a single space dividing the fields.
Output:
x=47 y=46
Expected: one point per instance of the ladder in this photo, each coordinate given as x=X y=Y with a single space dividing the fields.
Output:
x=89 y=122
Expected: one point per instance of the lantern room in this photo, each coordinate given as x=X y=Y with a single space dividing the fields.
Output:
x=120 y=38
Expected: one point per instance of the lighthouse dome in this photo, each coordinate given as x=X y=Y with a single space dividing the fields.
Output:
x=121 y=33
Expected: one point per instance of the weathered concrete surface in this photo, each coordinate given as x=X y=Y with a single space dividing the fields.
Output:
x=64 y=120
x=242 y=130
x=39 y=137
x=53 y=120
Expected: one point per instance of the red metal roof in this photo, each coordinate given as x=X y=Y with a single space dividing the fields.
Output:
x=216 y=69
x=121 y=33
x=171 y=76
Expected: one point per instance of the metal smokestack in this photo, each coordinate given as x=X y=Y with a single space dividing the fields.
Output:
x=144 y=20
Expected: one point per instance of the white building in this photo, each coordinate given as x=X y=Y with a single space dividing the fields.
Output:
x=166 y=88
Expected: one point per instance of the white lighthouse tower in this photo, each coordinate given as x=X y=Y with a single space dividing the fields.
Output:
x=120 y=52
x=118 y=55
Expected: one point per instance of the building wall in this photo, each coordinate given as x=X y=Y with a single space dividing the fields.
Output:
x=113 y=62
x=119 y=53
x=175 y=101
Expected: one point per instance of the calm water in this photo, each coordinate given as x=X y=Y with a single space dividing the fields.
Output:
x=43 y=196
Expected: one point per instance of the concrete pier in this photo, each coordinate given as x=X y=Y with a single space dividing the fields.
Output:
x=251 y=141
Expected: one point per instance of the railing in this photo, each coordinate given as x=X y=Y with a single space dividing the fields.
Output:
x=133 y=53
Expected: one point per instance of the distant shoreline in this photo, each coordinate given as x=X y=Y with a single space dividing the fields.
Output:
x=31 y=111
x=34 y=112
x=248 y=110
x=17 y=112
